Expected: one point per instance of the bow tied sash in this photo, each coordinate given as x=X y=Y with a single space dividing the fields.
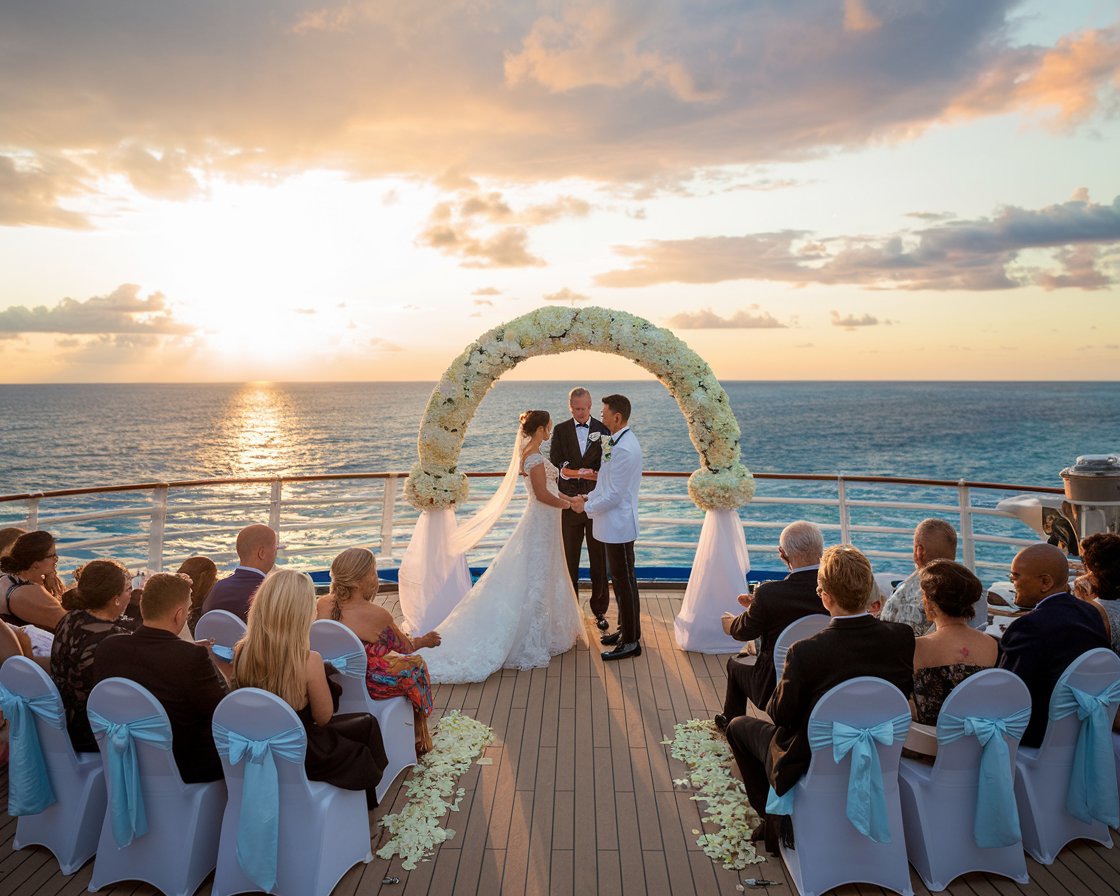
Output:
x=29 y=785
x=996 y=820
x=258 y=830
x=222 y=652
x=1092 y=781
x=352 y=665
x=866 y=806
x=126 y=797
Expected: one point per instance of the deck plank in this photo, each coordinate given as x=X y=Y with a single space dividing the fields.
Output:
x=578 y=795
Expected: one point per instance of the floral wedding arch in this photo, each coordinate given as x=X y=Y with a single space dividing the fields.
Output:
x=432 y=577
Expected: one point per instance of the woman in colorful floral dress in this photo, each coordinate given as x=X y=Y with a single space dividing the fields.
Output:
x=388 y=672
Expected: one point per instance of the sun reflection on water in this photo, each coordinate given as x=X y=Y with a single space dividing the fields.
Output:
x=255 y=427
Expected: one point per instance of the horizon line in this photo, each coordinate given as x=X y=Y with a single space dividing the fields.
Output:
x=499 y=381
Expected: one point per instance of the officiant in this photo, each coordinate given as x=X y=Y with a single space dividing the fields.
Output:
x=577 y=451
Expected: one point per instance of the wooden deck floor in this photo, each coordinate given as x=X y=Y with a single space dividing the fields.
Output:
x=579 y=797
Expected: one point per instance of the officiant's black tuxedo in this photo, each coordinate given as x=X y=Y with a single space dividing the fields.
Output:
x=577 y=526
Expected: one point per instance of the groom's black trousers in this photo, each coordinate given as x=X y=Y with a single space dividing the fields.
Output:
x=575 y=527
x=620 y=561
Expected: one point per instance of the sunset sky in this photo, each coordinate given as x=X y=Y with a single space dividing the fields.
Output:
x=800 y=189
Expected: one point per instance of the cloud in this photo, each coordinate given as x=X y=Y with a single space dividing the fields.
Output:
x=485 y=302
x=307 y=310
x=123 y=311
x=620 y=90
x=487 y=291
x=706 y=319
x=566 y=295
x=484 y=231
x=851 y=321
x=111 y=349
x=981 y=254
x=384 y=345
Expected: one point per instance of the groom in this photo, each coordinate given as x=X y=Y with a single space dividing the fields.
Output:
x=577 y=450
x=613 y=506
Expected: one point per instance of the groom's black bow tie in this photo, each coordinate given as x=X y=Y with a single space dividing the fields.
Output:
x=578 y=425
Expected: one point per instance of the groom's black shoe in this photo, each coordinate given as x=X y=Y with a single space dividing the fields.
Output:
x=623 y=651
x=601 y=622
x=612 y=638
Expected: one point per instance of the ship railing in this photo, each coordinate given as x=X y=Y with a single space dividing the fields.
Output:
x=150 y=524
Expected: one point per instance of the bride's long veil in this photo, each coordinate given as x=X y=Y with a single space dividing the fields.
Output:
x=471 y=531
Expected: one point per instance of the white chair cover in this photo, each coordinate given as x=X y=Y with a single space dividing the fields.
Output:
x=960 y=814
x=343 y=649
x=70 y=825
x=224 y=627
x=719 y=575
x=158 y=829
x=798 y=630
x=321 y=830
x=1042 y=785
x=829 y=850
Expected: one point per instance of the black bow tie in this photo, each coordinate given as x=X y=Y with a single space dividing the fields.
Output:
x=578 y=425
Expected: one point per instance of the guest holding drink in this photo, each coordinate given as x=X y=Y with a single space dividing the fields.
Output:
x=388 y=673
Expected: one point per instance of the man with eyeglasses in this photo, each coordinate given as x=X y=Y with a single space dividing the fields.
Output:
x=1040 y=645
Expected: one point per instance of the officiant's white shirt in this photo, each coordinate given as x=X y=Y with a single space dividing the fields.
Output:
x=613 y=504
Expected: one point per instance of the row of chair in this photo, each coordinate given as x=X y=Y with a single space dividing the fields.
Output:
x=264 y=827
x=983 y=801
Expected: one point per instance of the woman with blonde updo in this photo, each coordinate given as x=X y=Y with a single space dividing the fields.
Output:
x=275 y=655
x=353 y=588
x=523 y=611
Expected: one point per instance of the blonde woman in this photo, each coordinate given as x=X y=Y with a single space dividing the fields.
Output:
x=275 y=655
x=388 y=674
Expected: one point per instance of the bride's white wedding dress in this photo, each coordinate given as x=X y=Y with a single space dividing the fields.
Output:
x=523 y=611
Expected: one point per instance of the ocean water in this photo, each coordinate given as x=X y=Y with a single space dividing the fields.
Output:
x=73 y=436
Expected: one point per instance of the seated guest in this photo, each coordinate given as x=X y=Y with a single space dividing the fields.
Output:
x=1040 y=645
x=350 y=601
x=953 y=649
x=772 y=607
x=256 y=554
x=202 y=574
x=28 y=576
x=1101 y=583
x=103 y=592
x=855 y=643
x=275 y=655
x=177 y=673
x=934 y=539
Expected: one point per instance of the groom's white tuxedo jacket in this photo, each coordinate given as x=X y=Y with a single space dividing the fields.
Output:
x=613 y=505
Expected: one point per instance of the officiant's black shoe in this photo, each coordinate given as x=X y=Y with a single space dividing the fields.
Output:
x=601 y=622
x=612 y=638
x=623 y=651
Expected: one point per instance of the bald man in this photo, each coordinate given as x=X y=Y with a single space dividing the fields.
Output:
x=1039 y=646
x=256 y=552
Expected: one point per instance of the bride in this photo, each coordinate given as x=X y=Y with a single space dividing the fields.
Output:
x=523 y=611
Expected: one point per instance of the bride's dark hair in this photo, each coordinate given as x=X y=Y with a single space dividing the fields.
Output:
x=531 y=421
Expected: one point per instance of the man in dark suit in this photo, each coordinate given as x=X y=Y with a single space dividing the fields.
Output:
x=1039 y=646
x=578 y=452
x=256 y=553
x=772 y=607
x=854 y=644
x=178 y=673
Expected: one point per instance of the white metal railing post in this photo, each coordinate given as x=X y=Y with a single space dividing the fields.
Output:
x=155 y=535
x=388 y=502
x=274 y=505
x=845 y=521
x=968 y=543
x=32 y=514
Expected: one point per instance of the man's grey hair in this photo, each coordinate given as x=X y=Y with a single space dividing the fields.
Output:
x=578 y=392
x=803 y=541
x=938 y=537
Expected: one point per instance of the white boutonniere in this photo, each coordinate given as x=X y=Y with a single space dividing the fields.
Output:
x=607 y=449
x=594 y=436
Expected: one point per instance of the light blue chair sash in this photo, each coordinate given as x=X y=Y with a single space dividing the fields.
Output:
x=258 y=831
x=29 y=785
x=996 y=822
x=353 y=665
x=126 y=796
x=225 y=653
x=1092 y=780
x=867 y=804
